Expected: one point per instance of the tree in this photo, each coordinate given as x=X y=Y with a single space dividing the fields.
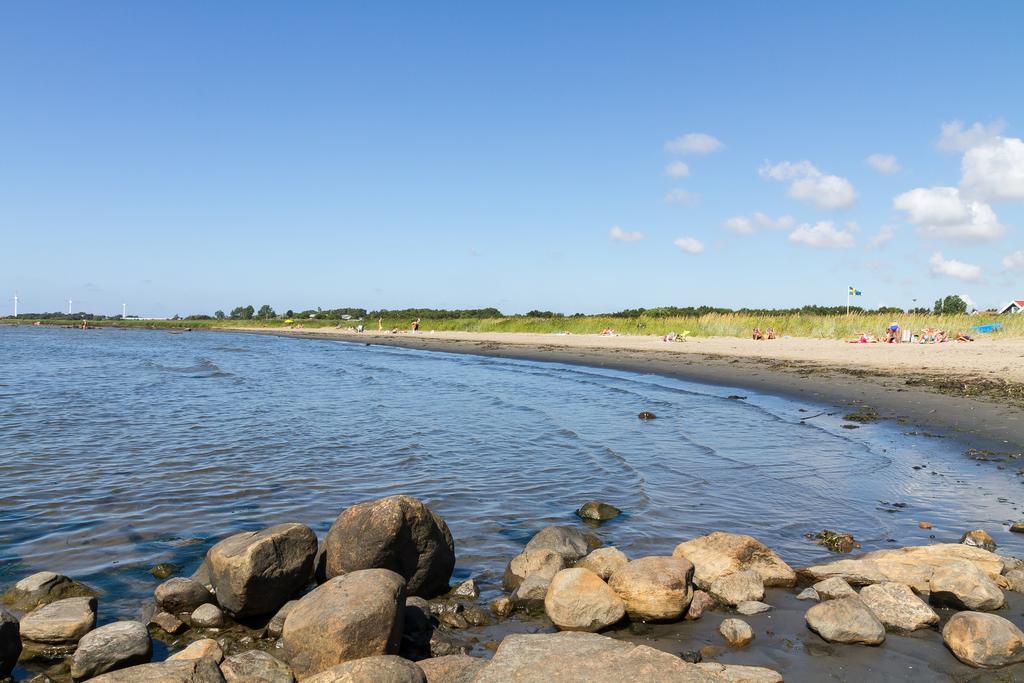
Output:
x=242 y=313
x=219 y=315
x=266 y=312
x=950 y=305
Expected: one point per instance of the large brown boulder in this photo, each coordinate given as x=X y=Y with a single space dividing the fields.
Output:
x=845 y=620
x=579 y=600
x=42 y=588
x=114 y=646
x=963 y=586
x=10 y=642
x=378 y=669
x=255 y=666
x=719 y=553
x=59 y=624
x=604 y=561
x=356 y=615
x=654 y=588
x=544 y=562
x=896 y=606
x=572 y=656
x=179 y=671
x=451 y=668
x=983 y=640
x=398 y=533
x=255 y=572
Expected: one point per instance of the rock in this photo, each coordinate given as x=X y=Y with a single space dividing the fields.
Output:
x=164 y=570
x=377 y=669
x=114 y=646
x=604 y=561
x=467 y=589
x=168 y=623
x=654 y=588
x=963 y=586
x=355 y=615
x=983 y=640
x=451 y=668
x=178 y=671
x=597 y=511
x=255 y=666
x=544 y=562
x=1017 y=527
x=42 y=588
x=647 y=415
x=700 y=604
x=569 y=542
x=924 y=525
x=896 y=606
x=572 y=656
x=207 y=616
x=752 y=607
x=741 y=586
x=10 y=642
x=736 y=632
x=181 y=595
x=912 y=565
x=979 y=539
x=579 y=600
x=397 y=533
x=255 y=572
x=1015 y=578
x=836 y=541
x=204 y=648
x=832 y=588
x=720 y=553
x=845 y=620
x=61 y=623
x=202 y=574
x=417 y=629
x=1010 y=563
x=501 y=606
x=275 y=627
x=808 y=594
x=531 y=593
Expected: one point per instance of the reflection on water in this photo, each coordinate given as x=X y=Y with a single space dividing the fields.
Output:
x=122 y=449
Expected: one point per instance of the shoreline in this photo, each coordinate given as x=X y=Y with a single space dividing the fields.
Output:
x=987 y=422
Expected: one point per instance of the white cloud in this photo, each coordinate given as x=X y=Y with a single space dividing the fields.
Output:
x=694 y=143
x=677 y=169
x=822 y=235
x=1014 y=261
x=620 y=235
x=955 y=138
x=689 y=245
x=808 y=184
x=781 y=223
x=941 y=212
x=971 y=304
x=739 y=224
x=678 y=195
x=953 y=268
x=994 y=169
x=883 y=163
x=886 y=233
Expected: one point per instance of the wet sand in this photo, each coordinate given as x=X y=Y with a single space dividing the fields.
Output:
x=973 y=389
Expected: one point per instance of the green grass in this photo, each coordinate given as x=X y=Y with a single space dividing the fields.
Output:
x=710 y=325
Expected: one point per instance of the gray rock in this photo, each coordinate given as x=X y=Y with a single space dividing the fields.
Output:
x=752 y=607
x=741 y=586
x=833 y=588
x=531 y=593
x=808 y=594
x=604 y=561
x=896 y=606
x=181 y=595
x=207 y=616
x=569 y=542
x=544 y=562
x=963 y=586
x=377 y=669
x=255 y=666
x=736 y=632
x=654 y=588
x=256 y=572
x=60 y=624
x=983 y=640
x=596 y=511
x=356 y=615
x=110 y=647
x=398 y=533
x=178 y=671
x=10 y=642
x=845 y=620
x=1015 y=579
x=275 y=627
x=42 y=588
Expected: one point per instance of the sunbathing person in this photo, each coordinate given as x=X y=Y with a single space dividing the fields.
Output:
x=769 y=333
x=962 y=337
x=758 y=335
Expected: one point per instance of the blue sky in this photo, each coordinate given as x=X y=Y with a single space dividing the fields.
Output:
x=183 y=157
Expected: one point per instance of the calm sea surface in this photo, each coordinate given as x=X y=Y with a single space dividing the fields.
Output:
x=122 y=449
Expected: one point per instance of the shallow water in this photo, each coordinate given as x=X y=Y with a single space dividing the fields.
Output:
x=121 y=449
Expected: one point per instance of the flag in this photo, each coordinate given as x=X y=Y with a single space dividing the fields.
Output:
x=855 y=292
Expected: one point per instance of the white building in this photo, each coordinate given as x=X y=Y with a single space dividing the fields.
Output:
x=1015 y=306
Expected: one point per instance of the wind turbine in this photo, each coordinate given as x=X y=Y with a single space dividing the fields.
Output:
x=69 y=306
x=124 y=311
x=15 y=304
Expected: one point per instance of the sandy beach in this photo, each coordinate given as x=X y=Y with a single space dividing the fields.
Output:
x=972 y=388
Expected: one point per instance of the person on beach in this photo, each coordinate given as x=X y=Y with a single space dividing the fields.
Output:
x=892 y=333
x=769 y=333
x=758 y=335
x=962 y=337
x=380 y=324
x=416 y=325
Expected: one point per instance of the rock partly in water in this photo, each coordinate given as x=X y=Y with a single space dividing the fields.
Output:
x=896 y=606
x=836 y=541
x=604 y=561
x=1015 y=579
x=752 y=607
x=355 y=615
x=501 y=606
x=720 y=553
x=168 y=623
x=579 y=600
x=204 y=648
x=654 y=588
x=569 y=542
x=203 y=670
x=42 y=588
x=647 y=415
x=180 y=594
x=699 y=604
x=741 y=586
x=275 y=627
x=544 y=562
x=845 y=620
x=451 y=668
x=10 y=642
x=467 y=590
x=1017 y=527
x=983 y=640
x=255 y=666
x=255 y=572
x=736 y=632
x=833 y=588
x=59 y=624
x=398 y=533
x=164 y=570
x=531 y=593
x=808 y=594
x=596 y=511
x=979 y=539
x=963 y=586
x=376 y=669
x=114 y=646
x=207 y=616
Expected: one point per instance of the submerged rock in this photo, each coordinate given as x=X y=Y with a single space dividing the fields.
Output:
x=604 y=561
x=654 y=588
x=597 y=511
x=58 y=624
x=983 y=640
x=356 y=615
x=896 y=606
x=579 y=600
x=398 y=533
x=1017 y=527
x=836 y=541
x=255 y=572
x=376 y=669
x=10 y=642
x=963 y=586
x=255 y=666
x=164 y=570
x=181 y=595
x=646 y=415
x=736 y=632
x=42 y=588
x=742 y=586
x=980 y=539
x=114 y=646
x=845 y=620
x=719 y=553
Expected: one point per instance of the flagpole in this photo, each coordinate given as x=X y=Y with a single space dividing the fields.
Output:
x=847 y=301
